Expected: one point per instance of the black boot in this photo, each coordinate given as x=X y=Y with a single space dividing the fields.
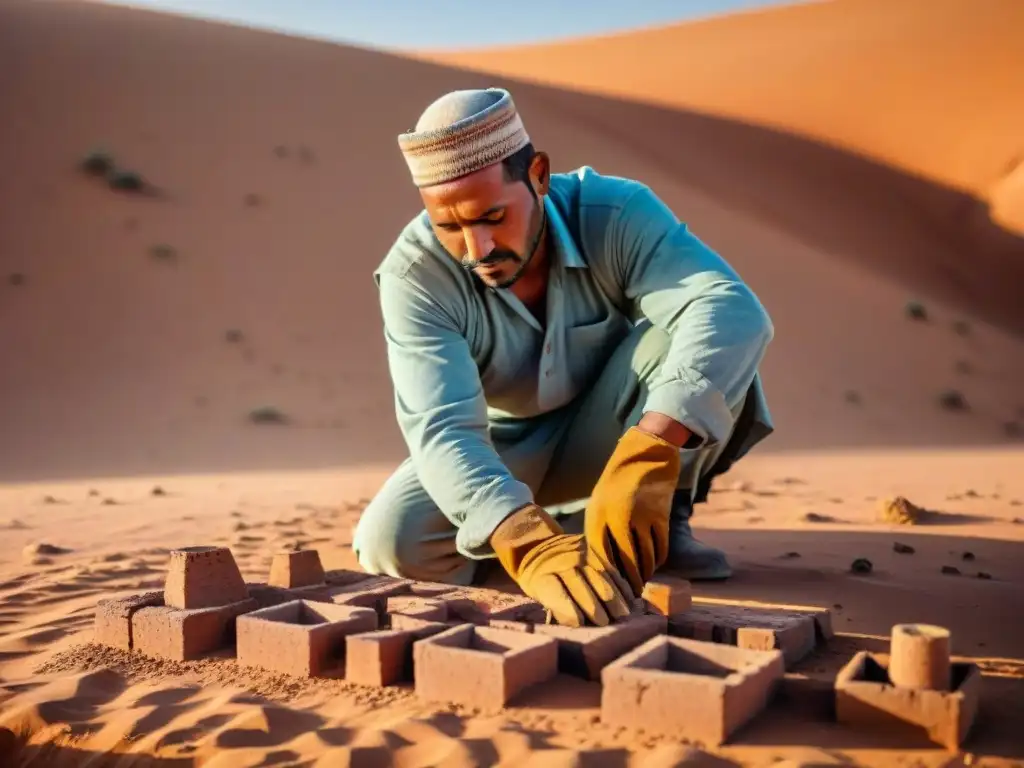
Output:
x=688 y=558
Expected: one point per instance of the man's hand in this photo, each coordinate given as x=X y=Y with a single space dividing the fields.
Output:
x=627 y=517
x=557 y=570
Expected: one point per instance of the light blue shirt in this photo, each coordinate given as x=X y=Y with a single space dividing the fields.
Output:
x=462 y=355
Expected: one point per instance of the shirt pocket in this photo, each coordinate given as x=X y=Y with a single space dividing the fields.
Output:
x=590 y=346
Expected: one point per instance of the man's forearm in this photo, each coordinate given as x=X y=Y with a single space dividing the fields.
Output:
x=665 y=427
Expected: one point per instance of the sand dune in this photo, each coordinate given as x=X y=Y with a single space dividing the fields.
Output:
x=139 y=333
x=923 y=85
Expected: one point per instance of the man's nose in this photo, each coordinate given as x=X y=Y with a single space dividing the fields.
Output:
x=478 y=243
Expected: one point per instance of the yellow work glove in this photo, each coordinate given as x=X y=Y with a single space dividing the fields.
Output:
x=556 y=570
x=627 y=516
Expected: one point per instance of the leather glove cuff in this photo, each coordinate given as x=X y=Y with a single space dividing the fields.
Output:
x=521 y=532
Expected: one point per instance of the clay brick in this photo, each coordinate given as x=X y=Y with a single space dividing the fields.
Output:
x=296 y=569
x=585 y=651
x=512 y=626
x=667 y=595
x=186 y=635
x=339 y=577
x=203 y=577
x=420 y=627
x=113 y=623
x=753 y=628
x=479 y=606
x=689 y=689
x=268 y=596
x=418 y=607
x=866 y=698
x=481 y=666
x=379 y=658
x=431 y=588
x=301 y=638
x=372 y=593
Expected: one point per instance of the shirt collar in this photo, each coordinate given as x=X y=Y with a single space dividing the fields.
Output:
x=561 y=237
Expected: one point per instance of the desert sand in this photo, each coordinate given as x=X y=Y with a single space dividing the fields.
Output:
x=143 y=334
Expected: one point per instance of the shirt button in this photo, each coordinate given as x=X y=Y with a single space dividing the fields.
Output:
x=547 y=349
x=547 y=372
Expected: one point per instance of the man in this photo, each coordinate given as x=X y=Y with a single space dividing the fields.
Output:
x=571 y=366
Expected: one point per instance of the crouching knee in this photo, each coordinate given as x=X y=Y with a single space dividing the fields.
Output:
x=392 y=540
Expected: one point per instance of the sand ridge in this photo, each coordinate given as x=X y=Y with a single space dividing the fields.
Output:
x=202 y=363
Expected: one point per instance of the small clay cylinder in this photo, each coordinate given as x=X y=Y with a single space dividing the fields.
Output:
x=919 y=657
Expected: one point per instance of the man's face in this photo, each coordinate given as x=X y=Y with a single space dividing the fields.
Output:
x=492 y=226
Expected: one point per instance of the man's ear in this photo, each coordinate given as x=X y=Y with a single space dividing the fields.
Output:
x=540 y=173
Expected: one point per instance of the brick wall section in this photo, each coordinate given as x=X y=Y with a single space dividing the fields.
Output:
x=185 y=635
x=793 y=633
x=482 y=667
x=689 y=689
x=585 y=651
x=113 y=622
x=303 y=638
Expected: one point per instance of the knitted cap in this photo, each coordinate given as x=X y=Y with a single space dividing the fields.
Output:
x=462 y=132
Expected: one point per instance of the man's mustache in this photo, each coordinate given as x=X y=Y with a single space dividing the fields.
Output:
x=494 y=257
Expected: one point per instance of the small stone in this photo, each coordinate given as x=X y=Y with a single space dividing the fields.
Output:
x=902 y=549
x=900 y=511
x=951 y=570
x=984 y=575
x=158 y=491
x=862 y=565
x=790 y=556
x=951 y=400
x=814 y=517
x=915 y=310
x=968 y=555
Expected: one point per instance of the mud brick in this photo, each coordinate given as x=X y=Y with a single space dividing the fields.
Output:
x=267 y=595
x=113 y=623
x=340 y=577
x=373 y=593
x=380 y=658
x=754 y=628
x=512 y=626
x=297 y=569
x=431 y=588
x=479 y=606
x=585 y=651
x=689 y=689
x=203 y=577
x=418 y=607
x=866 y=698
x=185 y=635
x=794 y=636
x=420 y=628
x=667 y=595
x=482 y=667
x=303 y=638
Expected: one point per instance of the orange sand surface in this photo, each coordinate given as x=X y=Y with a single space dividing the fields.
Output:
x=842 y=155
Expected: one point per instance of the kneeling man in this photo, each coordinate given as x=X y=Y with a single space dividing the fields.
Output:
x=571 y=367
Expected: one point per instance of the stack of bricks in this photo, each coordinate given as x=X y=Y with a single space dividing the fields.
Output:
x=704 y=669
x=193 y=617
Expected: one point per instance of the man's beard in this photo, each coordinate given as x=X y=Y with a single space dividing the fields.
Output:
x=499 y=255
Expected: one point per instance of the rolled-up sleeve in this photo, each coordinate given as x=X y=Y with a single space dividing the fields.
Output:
x=719 y=330
x=442 y=414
